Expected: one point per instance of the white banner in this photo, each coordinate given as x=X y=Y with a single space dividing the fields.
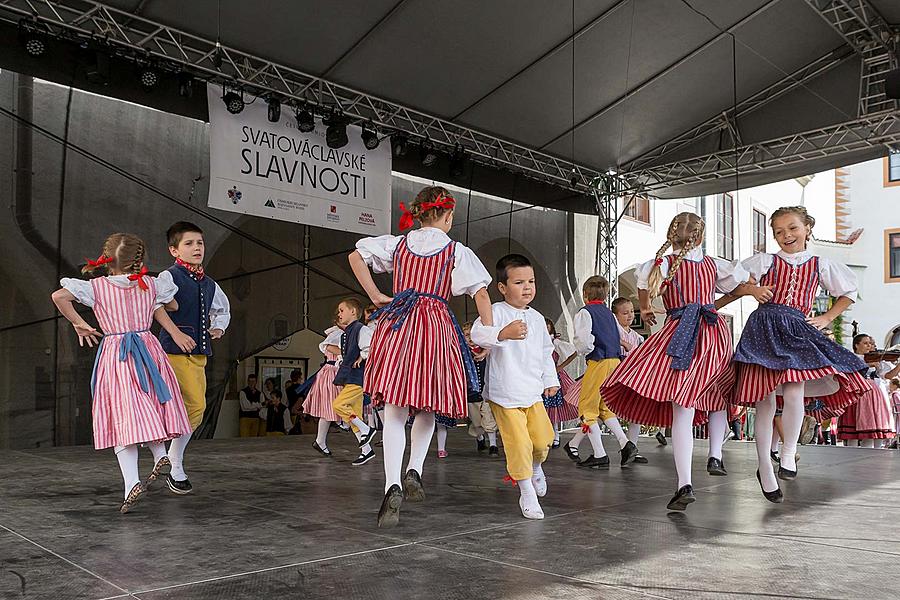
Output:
x=273 y=170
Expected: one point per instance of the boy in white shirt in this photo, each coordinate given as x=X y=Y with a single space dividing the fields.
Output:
x=520 y=368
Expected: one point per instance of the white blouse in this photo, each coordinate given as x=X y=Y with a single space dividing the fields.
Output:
x=563 y=349
x=332 y=338
x=468 y=275
x=729 y=275
x=84 y=291
x=219 y=310
x=837 y=279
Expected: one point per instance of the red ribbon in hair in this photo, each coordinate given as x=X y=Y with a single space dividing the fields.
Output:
x=442 y=201
x=657 y=262
x=101 y=260
x=510 y=480
x=596 y=302
x=139 y=277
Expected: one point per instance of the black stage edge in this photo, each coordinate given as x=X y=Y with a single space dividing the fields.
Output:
x=271 y=519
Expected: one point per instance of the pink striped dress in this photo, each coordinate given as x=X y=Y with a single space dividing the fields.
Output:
x=869 y=418
x=643 y=386
x=136 y=397
x=323 y=391
x=567 y=411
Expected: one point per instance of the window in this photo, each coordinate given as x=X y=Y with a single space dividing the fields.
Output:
x=892 y=169
x=892 y=256
x=701 y=201
x=725 y=226
x=638 y=209
x=759 y=232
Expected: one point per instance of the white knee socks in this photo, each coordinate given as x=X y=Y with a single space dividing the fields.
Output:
x=492 y=438
x=775 y=437
x=393 y=443
x=322 y=433
x=420 y=440
x=634 y=430
x=176 y=456
x=575 y=442
x=596 y=440
x=441 y=438
x=682 y=442
x=158 y=449
x=791 y=422
x=128 y=464
x=616 y=428
x=765 y=415
x=862 y=444
x=360 y=425
x=717 y=426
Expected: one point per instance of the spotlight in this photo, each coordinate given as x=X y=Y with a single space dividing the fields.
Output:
x=427 y=154
x=573 y=178
x=185 y=84
x=149 y=77
x=398 y=145
x=234 y=103
x=457 y=162
x=369 y=137
x=96 y=68
x=274 y=111
x=31 y=38
x=306 y=122
x=336 y=131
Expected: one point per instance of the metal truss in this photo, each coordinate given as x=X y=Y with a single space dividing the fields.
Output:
x=133 y=37
x=607 y=189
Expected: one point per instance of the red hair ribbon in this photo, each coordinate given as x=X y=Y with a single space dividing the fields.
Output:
x=585 y=428
x=406 y=219
x=442 y=201
x=139 y=277
x=101 y=260
x=510 y=480
x=596 y=302
x=657 y=262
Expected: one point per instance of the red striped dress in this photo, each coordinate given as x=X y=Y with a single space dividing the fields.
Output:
x=644 y=385
x=419 y=364
x=123 y=413
x=794 y=286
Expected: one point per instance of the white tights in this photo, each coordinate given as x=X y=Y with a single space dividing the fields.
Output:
x=718 y=424
x=322 y=433
x=682 y=442
x=441 y=437
x=791 y=422
x=128 y=464
x=765 y=421
x=394 y=442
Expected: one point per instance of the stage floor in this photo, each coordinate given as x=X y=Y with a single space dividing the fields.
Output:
x=270 y=519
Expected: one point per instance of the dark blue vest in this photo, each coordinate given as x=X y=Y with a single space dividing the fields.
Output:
x=474 y=396
x=605 y=331
x=347 y=373
x=275 y=418
x=194 y=299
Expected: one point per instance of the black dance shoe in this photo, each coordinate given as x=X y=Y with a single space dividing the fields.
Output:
x=682 y=498
x=640 y=459
x=715 y=466
x=366 y=439
x=363 y=458
x=389 y=514
x=493 y=451
x=592 y=462
x=179 y=487
x=321 y=450
x=481 y=445
x=775 y=458
x=413 y=490
x=571 y=452
x=661 y=439
x=786 y=474
x=774 y=496
x=628 y=452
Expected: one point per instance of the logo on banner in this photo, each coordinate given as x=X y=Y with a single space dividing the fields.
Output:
x=270 y=203
x=332 y=216
x=234 y=195
x=367 y=218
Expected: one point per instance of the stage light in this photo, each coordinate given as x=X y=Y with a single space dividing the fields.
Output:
x=234 y=103
x=185 y=84
x=31 y=38
x=274 y=111
x=573 y=178
x=306 y=122
x=457 y=162
x=149 y=77
x=336 y=131
x=398 y=145
x=96 y=68
x=427 y=154
x=369 y=137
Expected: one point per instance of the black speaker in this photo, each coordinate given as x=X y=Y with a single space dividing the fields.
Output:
x=892 y=84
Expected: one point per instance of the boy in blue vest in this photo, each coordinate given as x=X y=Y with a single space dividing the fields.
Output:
x=354 y=350
x=203 y=314
x=597 y=336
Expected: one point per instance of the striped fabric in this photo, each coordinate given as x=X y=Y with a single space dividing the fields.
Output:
x=323 y=392
x=641 y=389
x=419 y=364
x=123 y=414
x=867 y=419
x=568 y=411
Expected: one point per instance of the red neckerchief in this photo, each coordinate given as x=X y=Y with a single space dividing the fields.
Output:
x=195 y=269
x=596 y=302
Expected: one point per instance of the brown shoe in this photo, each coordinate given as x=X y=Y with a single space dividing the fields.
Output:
x=136 y=492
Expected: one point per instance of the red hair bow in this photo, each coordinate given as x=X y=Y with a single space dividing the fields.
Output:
x=442 y=201
x=139 y=277
x=657 y=262
x=101 y=260
x=510 y=480
x=406 y=218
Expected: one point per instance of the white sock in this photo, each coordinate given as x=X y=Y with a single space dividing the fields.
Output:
x=176 y=456
x=158 y=449
x=555 y=436
x=492 y=438
x=539 y=480
x=322 y=433
x=441 y=438
x=849 y=443
x=718 y=423
x=775 y=437
x=575 y=442
x=634 y=430
x=528 y=500
x=365 y=449
x=616 y=429
x=420 y=441
x=596 y=441
x=128 y=464
x=862 y=444
x=791 y=422
x=393 y=443
x=682 y=442
x=361 y=425
x=765 y=414
x=480 y=437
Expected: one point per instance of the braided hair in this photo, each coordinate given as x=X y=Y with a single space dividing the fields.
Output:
x=427 y=195
x=801 y=212
x=685 y=233
x=122 y=253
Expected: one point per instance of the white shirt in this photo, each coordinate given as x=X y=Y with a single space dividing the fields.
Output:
x=836 y=278
x=563 y=350
x=219 y=310
x=332 y=338
x=631 y=336
x=468 y=275
x=246 y=404
x=288 y=423
x=729 y=275
x=518 y=371
x=583 y=337
x=84 y=291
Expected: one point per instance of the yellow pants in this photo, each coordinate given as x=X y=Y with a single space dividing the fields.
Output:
x=261 y=428
x=590 y=403
x=527 y=435
x=190 y=370
x=349 y=404
x=275 y=433
x=249 y=426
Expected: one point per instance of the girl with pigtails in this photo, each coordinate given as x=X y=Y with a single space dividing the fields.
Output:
x=684 y=370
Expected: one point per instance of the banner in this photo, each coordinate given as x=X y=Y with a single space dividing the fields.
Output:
x=273 y=170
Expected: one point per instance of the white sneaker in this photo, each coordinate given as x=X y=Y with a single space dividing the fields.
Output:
x=531 y=509
x=540 y=485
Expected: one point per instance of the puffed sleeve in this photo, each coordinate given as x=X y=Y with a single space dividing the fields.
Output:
x=219 y=310
x=758 y=265
x=469 y=275
x=165 y=288
x=729 y=275
x=365 y=342
x=564 y=349
x=378 y=252
x=837 y=279
x=642 y=273
x=332 y=338
x=583 y=337
x=81 y=289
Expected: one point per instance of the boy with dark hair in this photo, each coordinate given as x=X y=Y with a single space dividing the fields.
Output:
x=250 y=403
x=203 y=314
x=276 y=416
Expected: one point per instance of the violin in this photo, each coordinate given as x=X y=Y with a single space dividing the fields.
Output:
x=890 y=355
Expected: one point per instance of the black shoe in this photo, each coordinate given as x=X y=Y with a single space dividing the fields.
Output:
x=366 y=439
x=715 y=466
x=482 y=445
x=322 y=451
x=363 y=458
x=571 y=452
x=775 y=458
x=179 y=487
x=628 y=452
x=786 y=474
x=774 y=496
x=494 y=451
x=661 y=439
x=682 y=498
x=555 y=444
x=640 y=459
x=413 y=490
x=592 y=462
x=389 y=513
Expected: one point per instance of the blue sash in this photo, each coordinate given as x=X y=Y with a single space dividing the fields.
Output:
x=144 y=366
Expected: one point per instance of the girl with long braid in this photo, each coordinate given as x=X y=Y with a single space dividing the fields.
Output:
x=684 y=369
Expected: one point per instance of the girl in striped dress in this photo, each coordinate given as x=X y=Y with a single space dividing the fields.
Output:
x=419 y=359
x=558 y=409
x=684 y=369
x=320 y=390
x=785 y=352
x=868 y=422
x=136 y=398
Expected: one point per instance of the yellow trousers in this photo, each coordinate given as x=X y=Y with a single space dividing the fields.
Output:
x=590 y=403
x=527 y=435
x=190 y=370
x=349 y=404
x=274 y=433
x=249 y=426
x=261 y=428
